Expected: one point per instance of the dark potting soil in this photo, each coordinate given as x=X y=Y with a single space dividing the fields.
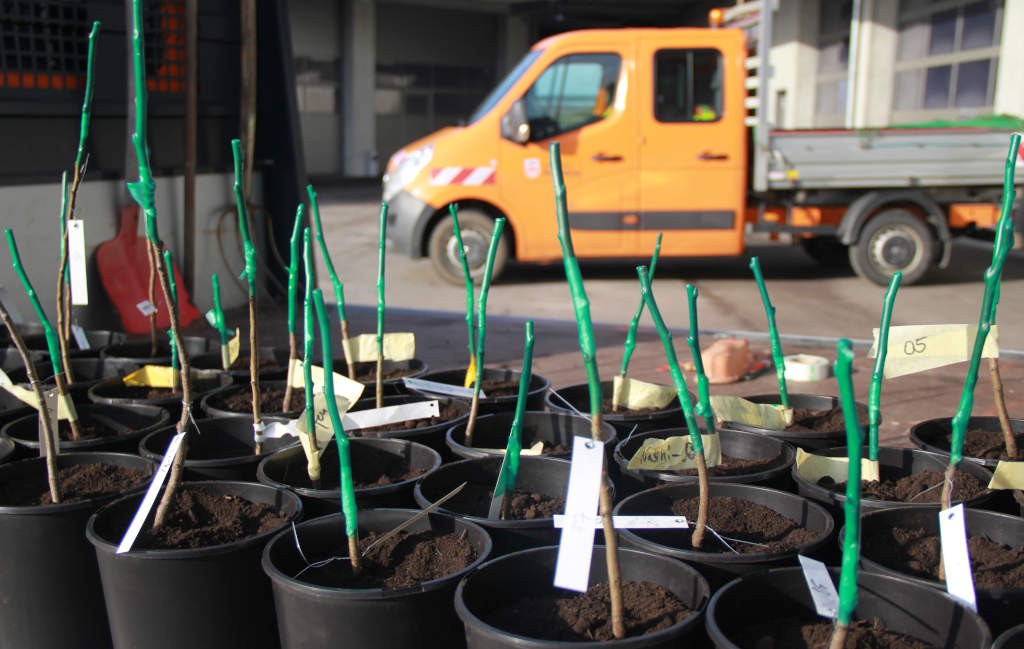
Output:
x=115 y=391
x=557 y=450
x=87 y=430
x=811 y=632
x=987 y=444
x=734 y=466
x=921 y=487
x=243 y=361
x=568 y=617
x=500 y=388
x=75 y=483
x=475 y=500
x=371 y=468
x=606 y=408
x=448 y=412
x=916 y=551
x=199 y=519
x=271 y=400
x=390 y=374
x=404 y=560
x=809 y=420
x=762 y=529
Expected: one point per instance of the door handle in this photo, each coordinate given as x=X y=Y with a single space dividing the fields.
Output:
x=601 y=157
x=707 y=155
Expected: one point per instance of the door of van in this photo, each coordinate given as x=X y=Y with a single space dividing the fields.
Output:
x=693 y=142
x=579 y=97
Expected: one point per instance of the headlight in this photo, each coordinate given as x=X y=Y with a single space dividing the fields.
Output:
x=410 y=165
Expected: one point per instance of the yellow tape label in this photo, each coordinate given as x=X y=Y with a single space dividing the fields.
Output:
x=470 y=373
x=65 y=406
x=233 y=348
x=635 y=394
x=343 y=386
x=815 y=467
x=1008 y=475
x=322 y=420
x=742 y=411
x=397 y=347
x=919 y=348
x=675 y=453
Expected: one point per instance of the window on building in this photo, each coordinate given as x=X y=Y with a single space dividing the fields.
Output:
x=833 y=59
x=574 y=91
x=946 y=59
x=687 y=85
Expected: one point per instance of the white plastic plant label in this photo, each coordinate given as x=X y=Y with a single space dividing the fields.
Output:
x=390 y=415
x=576 y=545
x=76 y=263
x=634 y=522
x=146 y=308
x=955 y=558
x=142 y=513
x=80 y=338
x=433 y=387
x=819 y=583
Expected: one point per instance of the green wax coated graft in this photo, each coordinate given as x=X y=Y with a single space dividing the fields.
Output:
x=143 y=189
x=693 y=340
x=875 y=393
x=454 y=209
x=851 y=508
x=580 y=302
x=381 y=239
x=673 y=361
x=318 y=232
x=169 y=264
x=218 y=312
x=627 y=352
x=773 y=332
x=307 y=329
x=64 y=224
x=293 y=267
x=83 y=126
x=510 y=467
x=1004 y=241
x=348 y=494
x=481 y=314
x=243 y=218
x=52 y=344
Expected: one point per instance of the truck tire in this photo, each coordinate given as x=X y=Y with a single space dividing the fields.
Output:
x=476 y=227
x=890 y=241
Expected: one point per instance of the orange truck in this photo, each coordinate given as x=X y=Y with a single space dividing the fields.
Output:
x=661 y=131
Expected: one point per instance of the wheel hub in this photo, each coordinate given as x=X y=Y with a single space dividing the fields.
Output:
x=894 y=250
x=475 y=246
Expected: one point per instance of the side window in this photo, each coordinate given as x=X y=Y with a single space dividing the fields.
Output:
x=574 y=91
x=688 y=85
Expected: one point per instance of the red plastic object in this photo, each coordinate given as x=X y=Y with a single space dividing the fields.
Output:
x=124 y=268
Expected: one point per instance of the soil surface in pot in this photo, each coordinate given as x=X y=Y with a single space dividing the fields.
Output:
x=390 y=374
x=75 y=483
x=987 y=444
x=569 y=617
x=475 y=500
x=811 y=632
x=370 y=469
x=754 y=527
x=115 y=391
x=271 y=400
x=87 y=430
x=448 y=412
x=921 y=487
x=500 y=388
x=916 y=551
x=404 y=560
x=266 y=362
x=199 y=519
x=735 y=466
x=809 y=420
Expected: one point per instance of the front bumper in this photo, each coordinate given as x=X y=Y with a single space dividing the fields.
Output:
x=408 y=218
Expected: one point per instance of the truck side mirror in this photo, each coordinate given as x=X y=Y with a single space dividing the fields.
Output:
x=514 y=126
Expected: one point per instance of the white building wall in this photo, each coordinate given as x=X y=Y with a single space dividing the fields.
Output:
x=1010 y=72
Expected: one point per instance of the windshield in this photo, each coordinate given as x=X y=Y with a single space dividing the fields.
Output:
x=506 y=83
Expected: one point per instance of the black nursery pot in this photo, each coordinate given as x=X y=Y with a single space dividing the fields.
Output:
x=807 y=440
x=490 y=433
x=734 y=443
x=204 y=598
x=1000 y=607
x=52 y=594
x=1010 y=639
x=212 y=361
x=930 y=435
x=902 y=606
x=85 y=372
x=413 y=368
x=138 y=351
x=287 y=469
x=6 y=450
x=624 y=423
x=431 y=435
x=531 y=573
x=98 y=340
x=112 y=391
x=131 y=424
x=720 y=567
x=534 y=397
x=542 y=475
x=213 y=403
x=221 y=449
x=310 y=616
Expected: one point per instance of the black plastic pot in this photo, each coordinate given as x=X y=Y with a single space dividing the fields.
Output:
x=315 y=617
x=414 y=366
x=85 y=372
x=1010 y=639
x=6 y=450
x=490 y=434
x=212 y=404
x=52 y=594
x=720 y=567
x=805 y=440
x=98 y=340
x=287 y=469
x=221 y=450
x=734 y=443
x=132 y=423
x=203 y=598
x=534 y=398
x=930 y=435
x=543 y=475
x=892 y=462
x=531 y=572
x=10 y=358
x=902 y=606
x=138 y=351
x=624 y=423
x=1001 y=607
x=111 y=391
x=432 y=436
x=212 y=361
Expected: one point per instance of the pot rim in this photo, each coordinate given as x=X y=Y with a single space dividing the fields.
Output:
x=85 y=444
x=560 y=406
x=543 y=383
x=786 y=434
x=232 y=460
x=456 y=446
x=989 y=463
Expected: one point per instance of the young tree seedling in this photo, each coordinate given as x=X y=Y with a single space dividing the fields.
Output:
x=471 y=368
x=293 y=295
x=773 y=333
x=313 y=465
x=348 y=494
x=585 y=333
x=175 y=363
x=379 y=382
x=63 y=280
x=875 y=393
x=851 y=508
x=339 y=288
x=693 y=340
x=627 y=351
x=481 y=326
x=697 y=538
x=501 y=499
x=220 y=325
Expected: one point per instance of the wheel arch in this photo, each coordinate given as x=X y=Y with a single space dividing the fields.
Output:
x=913 y=201
x=423 y=236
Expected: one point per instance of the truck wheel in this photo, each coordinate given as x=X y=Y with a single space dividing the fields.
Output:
x=827 y=251
x=476 y=227
x=893 y=240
